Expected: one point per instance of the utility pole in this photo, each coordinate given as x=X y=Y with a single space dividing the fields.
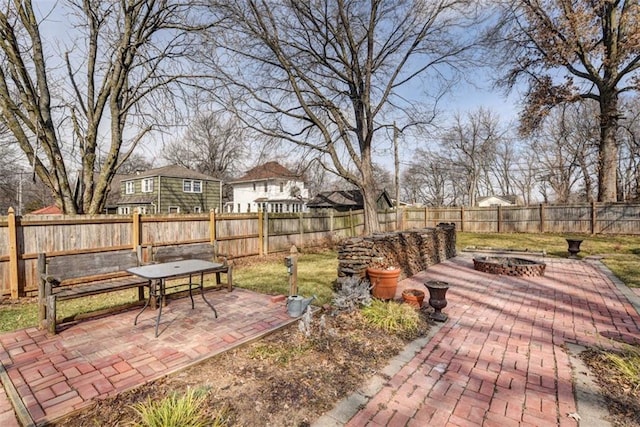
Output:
x=396 y=159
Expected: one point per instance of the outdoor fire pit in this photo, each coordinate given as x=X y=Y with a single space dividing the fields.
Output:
x=509 y=266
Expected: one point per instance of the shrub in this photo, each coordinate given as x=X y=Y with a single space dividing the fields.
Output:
x=178 y=411
x=353 y=294
x=393 y=317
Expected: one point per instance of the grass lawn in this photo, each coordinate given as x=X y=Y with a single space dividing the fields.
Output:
x=317 y=271
x=621 y=254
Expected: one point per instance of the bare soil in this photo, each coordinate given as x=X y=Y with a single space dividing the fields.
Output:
x=621 y=394
x=284 y=379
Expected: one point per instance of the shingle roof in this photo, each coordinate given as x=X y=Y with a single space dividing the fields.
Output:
x=47 y=210
x=267 y=171
x=507 y=198
x=173 y=171
x=329 y=199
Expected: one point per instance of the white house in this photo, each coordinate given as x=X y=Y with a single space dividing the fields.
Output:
x=270 y=187
x=489 y=201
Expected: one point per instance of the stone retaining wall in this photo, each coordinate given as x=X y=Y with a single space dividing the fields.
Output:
x=412 y=251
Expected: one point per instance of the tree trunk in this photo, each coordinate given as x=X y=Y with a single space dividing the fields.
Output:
x=371 y=223
x=608 y=149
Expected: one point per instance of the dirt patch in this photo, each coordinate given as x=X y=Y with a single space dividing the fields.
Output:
x=620 y=393
x=284 y=379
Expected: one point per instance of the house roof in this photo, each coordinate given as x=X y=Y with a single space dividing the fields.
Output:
x=508 y=198
x=330 y=199
x=173 y=171
x=343 y=198
x=128 y=199
x=268 y=170
x=47 y=210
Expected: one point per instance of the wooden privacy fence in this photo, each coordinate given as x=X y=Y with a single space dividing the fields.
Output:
x=236 y=235
x=240 y=235
x=592 y=218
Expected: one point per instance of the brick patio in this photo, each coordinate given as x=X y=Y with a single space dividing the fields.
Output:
x=500 y=359
x=93 y=359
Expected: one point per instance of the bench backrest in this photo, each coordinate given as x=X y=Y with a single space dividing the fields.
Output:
x=203 y=251
x=67 y=267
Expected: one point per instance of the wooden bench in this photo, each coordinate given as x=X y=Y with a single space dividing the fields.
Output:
x=203 y=251
x=73 y=276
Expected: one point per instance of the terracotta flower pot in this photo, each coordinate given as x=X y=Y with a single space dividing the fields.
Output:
x=413 y=297
x=384 y=282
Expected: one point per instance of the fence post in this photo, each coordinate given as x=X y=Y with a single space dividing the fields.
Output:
x=426 y=215
x=301 y=227
x=499 y=213
x=260 y=232
x=461 y=218
x=541 y=218
x=594 y=219
x=351 y=227
x=14 y=270
x=265 y=232
x=331 y=219
x=212 y=226
x=136 y=234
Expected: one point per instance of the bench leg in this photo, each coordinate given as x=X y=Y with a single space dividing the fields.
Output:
x=51 y=314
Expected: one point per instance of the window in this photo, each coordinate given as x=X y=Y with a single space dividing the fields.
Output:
x=197 y=209
x=248 y=207
x=254 y=186
x=124 y=210
x=147 y=185
x=282 y=187
x=174 y=209
x=265 y=186
x=192 y=186
x=239 y=208
x=129 y=187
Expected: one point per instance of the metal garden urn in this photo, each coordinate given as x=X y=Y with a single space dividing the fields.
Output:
x=574 y=247
x=437 y=299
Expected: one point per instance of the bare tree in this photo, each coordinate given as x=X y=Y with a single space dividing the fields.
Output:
x=125 y=59
x=428 y=179
x=524 y=175
x=325 y=74
x=214 y=143
x=629 y=167
x=471 y=142
x=568 y=50
x=562 y=147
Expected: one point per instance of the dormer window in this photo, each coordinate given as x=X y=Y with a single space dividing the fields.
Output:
x=129 y=187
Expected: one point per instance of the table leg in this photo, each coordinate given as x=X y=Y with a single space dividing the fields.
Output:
x=191 y=293
x=162 y=297
x=146 y=304
x=202 y=293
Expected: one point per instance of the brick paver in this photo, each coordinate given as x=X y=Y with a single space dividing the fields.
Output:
x=54 y=375
x=500 y=359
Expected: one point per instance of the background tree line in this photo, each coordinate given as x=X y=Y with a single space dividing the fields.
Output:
x=87 y=87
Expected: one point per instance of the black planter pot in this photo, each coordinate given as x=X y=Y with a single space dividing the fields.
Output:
x=574 y=247
x=437 y=299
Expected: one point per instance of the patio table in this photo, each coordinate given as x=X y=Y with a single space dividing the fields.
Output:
x=159 y=273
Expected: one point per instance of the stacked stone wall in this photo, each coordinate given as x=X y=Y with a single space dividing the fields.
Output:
x=411 y=251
